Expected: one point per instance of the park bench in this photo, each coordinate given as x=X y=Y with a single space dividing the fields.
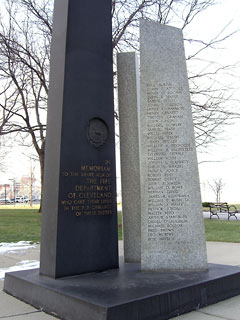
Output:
x=223 y=207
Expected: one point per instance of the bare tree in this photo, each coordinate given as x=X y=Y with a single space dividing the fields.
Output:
x=212 y=102
x=24 y=67
x=32 y=179
x=28 y=181
x=25 y=36
x=217 y=187
x=3 y=155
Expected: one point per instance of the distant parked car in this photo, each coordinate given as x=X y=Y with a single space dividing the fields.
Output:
x=26 y=200
x=5 y=201
x=19 y=199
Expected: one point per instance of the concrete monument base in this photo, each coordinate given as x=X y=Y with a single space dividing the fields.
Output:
x=125 y=293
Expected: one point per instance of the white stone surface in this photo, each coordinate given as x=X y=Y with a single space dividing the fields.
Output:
x=128 y=97
x=226 y=253
x=10 y=306
x=228 y=309
x=196 y=315
x=172 y=226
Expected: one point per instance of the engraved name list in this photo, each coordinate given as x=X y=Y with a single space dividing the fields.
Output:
x=167 y=160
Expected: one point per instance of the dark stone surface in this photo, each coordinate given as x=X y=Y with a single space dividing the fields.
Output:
x=79 y=229
x=125 y=293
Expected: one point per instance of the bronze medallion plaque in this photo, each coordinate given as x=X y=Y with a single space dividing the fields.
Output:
x=97 y=132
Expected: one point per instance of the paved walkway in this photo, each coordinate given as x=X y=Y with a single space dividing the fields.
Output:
x=13 y=309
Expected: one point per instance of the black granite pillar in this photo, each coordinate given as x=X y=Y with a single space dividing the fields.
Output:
x=79 y=228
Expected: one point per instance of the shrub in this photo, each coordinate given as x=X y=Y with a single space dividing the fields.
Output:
x=206 y=204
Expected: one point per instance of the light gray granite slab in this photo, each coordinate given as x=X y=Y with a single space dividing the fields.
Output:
x=172 y=228
x=128 y=98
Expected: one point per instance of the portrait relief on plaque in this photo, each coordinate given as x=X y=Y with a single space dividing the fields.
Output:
x=97 y=132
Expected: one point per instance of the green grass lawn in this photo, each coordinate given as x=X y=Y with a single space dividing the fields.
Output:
x=25 y=225
x=222 y=230
x=20 y=225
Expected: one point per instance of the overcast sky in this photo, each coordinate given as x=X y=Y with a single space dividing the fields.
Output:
x=227 y=148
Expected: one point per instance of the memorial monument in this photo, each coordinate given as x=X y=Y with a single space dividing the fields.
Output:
x=172 y=232
x=128 y=105
x=79 y=200
x=79 y=276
